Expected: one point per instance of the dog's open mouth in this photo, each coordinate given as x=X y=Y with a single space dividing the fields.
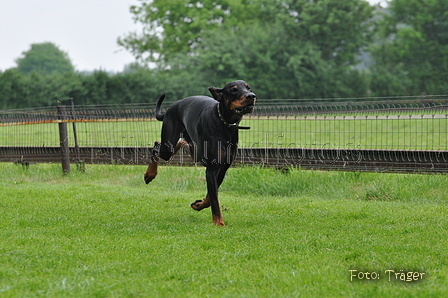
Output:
x=245 y=110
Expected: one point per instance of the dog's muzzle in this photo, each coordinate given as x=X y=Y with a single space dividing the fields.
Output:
x=249 y=106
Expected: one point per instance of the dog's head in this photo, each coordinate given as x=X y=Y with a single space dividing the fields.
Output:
x=237 y=96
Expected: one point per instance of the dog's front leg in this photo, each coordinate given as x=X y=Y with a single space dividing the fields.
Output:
x=198 y=205
x=212 y=173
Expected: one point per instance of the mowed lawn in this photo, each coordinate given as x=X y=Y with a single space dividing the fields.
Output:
x=104 y=233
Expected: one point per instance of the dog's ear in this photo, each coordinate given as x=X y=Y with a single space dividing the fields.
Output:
x=216 y=93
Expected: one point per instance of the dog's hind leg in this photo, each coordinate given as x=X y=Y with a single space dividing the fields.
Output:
x=151 y=171
x=181 y=144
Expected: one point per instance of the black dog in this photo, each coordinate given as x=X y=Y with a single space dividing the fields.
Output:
x=208 y=127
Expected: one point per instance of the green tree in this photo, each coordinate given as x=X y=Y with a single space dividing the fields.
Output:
x=18 y=90
x=271 y=63
x=13 y=89
x=282 y=56
x=44 y=58
x=412 y=57
x=337 y=27
x=176 y=26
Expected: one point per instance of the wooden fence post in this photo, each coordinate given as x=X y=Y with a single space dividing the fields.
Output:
x=79 y=163
x=63 y=138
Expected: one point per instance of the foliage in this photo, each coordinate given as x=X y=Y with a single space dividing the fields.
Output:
x=13 y=89
x=44 y=58
x=104 y=233
x=327 y=24
x=412 y=57
x=18 y=90
x=172 y=27
x=293 y=50
x=284 y=49
x=338 y=29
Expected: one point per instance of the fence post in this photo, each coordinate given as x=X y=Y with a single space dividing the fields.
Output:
x=63 y=138
x=79 y=163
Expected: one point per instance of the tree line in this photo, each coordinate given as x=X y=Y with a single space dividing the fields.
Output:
x=290 y=49
x=18 y=90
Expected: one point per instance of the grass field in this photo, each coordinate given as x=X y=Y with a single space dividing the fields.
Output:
x=325 y=132
x=104 y=233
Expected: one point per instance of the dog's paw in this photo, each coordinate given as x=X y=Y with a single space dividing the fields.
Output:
x=198 y=205
x=218 y=221
x=148 y=178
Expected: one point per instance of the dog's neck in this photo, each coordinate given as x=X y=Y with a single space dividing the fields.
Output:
x=234 y=125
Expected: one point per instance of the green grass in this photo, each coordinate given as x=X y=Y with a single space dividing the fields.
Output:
x=357 y=133
x=104 y=233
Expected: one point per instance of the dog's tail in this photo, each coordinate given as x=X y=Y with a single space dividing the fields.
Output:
x=160 y=116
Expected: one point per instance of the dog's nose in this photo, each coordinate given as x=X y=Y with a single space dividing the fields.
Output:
x=251 y=96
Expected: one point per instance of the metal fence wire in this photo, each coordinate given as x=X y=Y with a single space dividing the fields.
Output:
x=388 y=124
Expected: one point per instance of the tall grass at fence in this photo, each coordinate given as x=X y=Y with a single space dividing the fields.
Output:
x=104 y=233
x=361 y=132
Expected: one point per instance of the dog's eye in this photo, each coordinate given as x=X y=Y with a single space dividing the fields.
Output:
x=234 y=89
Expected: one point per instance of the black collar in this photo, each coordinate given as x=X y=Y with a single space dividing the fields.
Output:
x=230 y=125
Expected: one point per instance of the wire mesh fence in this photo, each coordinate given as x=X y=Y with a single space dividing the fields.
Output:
x=386 y=124
x=392 y=134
